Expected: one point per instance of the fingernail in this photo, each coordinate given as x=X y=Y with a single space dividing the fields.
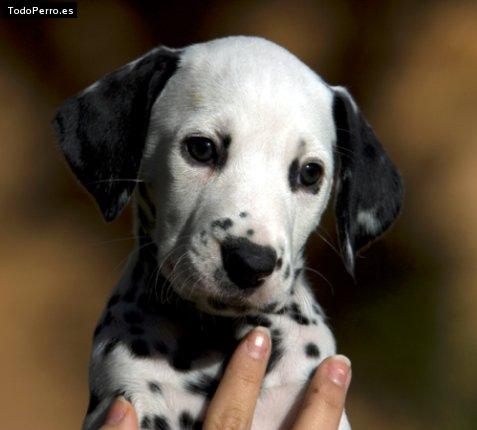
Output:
x=117 y=412
x=339 y=370
x=258 y=342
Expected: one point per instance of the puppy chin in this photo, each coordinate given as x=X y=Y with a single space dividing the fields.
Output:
x=230 y=303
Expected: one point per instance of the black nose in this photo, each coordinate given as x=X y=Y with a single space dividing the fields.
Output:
x=246 y=263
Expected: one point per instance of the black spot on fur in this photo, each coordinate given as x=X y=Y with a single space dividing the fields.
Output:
x=297 y=273
x=113 y=300
x=286 y=275
x=204 y=385
x=224 y=223
x=133 y=317
x=277 y=349
x=182 y=360
x=198 y=425
x=186 y=420
x=136 y=330
x=154 y=387
x=295 y=313
x=270 y=307
x=139 y=347
x=243 y=214
x=93 y=403
x=250 y=232
x=293 y=172
x=317 y=310
x=161 y=423
x=109 y=347
x=258 y=320
x=312 y=350
x=146 y=423
x=279 y=263
x=189 y=347
x=161 y=347
x=226 y=140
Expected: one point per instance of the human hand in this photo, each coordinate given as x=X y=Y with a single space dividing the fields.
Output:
x=121 y=416
x=233 y=404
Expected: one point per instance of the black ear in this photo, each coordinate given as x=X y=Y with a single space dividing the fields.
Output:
x=369 y=189
x=102 y=130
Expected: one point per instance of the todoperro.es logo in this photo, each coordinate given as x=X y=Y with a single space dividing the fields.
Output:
x=37 y=9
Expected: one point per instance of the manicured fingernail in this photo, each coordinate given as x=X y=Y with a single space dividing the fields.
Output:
x=117 y=412
x=258 y=343
x=339 y=370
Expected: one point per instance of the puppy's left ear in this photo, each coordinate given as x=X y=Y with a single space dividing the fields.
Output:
x=369 y=190
x=102 y=130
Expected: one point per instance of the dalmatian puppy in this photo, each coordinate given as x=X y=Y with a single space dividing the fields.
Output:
x=229 y=150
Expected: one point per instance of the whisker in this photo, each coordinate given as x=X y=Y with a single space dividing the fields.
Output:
x=309 y=269
x=328 y=243
x=135 y=250
x=100 y=181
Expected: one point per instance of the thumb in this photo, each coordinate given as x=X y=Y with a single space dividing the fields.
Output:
x=121 y=416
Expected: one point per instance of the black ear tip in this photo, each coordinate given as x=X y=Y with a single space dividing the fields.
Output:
x=348 y=258
x=109 y=215
x=112 y=208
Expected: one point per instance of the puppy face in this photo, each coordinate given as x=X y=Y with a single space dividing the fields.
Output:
x=236 y=139
x=246 y=138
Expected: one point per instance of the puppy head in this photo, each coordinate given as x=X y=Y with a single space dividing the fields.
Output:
x=237 y=141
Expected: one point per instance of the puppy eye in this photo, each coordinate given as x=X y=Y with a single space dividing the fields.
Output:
x=310 y=174
x=201 y=149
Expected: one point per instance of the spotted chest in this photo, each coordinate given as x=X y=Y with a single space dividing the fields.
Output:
x=168 y=358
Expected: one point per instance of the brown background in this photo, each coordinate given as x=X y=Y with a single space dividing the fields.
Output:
x=410 y=322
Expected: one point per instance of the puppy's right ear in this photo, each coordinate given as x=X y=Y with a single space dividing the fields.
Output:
x=102 y=130
x=369 y=189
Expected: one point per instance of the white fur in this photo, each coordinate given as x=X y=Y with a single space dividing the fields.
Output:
x=368 y=220
x=269 y=102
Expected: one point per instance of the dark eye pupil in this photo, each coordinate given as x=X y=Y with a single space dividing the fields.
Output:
x=201 y=149
x=311 y=173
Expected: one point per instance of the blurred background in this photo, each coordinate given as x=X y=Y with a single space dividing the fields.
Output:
x=409 y=323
